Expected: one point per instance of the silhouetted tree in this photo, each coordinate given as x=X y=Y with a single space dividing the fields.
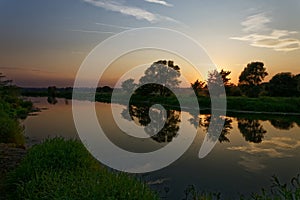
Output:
x=7 y=89
x=252 y=130
x=129 y=85
x=297 y=80
x=251 y=77
x=219 y=79
x=52 y=93
x=104 y=89
x=214 y=83
x=164 y=73
x=198 y=87
x=224 y=74
x=233 y=90
x=283 y=84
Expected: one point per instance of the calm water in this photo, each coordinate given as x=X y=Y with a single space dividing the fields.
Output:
x=250 y=149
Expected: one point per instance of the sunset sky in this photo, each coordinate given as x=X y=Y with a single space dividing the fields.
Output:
x=43 y=42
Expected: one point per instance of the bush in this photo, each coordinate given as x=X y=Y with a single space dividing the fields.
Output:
x=10 y=130
x=59 y=169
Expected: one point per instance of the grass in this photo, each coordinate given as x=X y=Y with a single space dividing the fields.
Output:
x=278 y=191
x=264 y=104
x=64 y=169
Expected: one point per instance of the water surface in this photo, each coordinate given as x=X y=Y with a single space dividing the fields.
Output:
x=249 y=151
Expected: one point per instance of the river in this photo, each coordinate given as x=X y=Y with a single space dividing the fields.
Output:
x=250 y=150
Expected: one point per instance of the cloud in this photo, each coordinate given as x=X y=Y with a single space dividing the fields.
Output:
x=260 y=35
x=78 y=52
x=256 y=23
x=25 y=69
x=114 y=26
x=252 y=150
x=136 y=12
x=92 y=31
x=254 y=155
x=251 y=163
x=276 y=147
x=160 y=2
x=158 y=181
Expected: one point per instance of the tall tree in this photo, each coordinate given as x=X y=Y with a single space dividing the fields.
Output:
x=164 y=73
x=251 y=78
x=219 y=79
x=128 y=85
x=224 y=75
x=198 y=86
x=283 y=84
x=297 y=79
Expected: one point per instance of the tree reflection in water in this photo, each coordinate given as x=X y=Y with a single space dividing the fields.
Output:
x=140 y=114
x=225 y=130
x=252 y=130
x=282 y=124
x=52 y=100
x=204 y=123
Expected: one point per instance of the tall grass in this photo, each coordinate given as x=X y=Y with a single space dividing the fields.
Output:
x=60 y=169
x=10 y=130
x=278 y=191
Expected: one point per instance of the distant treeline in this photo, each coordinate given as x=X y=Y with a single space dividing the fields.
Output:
x=283 y=84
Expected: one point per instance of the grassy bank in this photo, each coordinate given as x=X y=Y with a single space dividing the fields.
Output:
x=265 y=104
x=63 y=169
x=59 y=169
x=234 y=103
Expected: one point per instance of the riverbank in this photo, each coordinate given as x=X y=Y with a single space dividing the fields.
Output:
x=63 y=169
x=235 y=104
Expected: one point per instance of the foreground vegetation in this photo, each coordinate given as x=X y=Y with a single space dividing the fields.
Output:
x=60 y=169
x=12 y=109
x=278 y=191
x=63 y=169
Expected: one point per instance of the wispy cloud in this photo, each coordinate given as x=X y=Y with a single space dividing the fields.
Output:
x=256 y=23
x=160 y=2
x=138 y=13
x=114 y=26
x=92 y=31
x=275 y=147
x=78 y=52
x=25 y=69
x=261 y=35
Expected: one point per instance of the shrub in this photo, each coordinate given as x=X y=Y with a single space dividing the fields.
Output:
x=10 y=130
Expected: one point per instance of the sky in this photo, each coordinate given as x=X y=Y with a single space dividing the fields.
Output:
x=44 y=42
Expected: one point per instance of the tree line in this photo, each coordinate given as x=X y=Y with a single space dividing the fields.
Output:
x=166 y=75
x=283 y=84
